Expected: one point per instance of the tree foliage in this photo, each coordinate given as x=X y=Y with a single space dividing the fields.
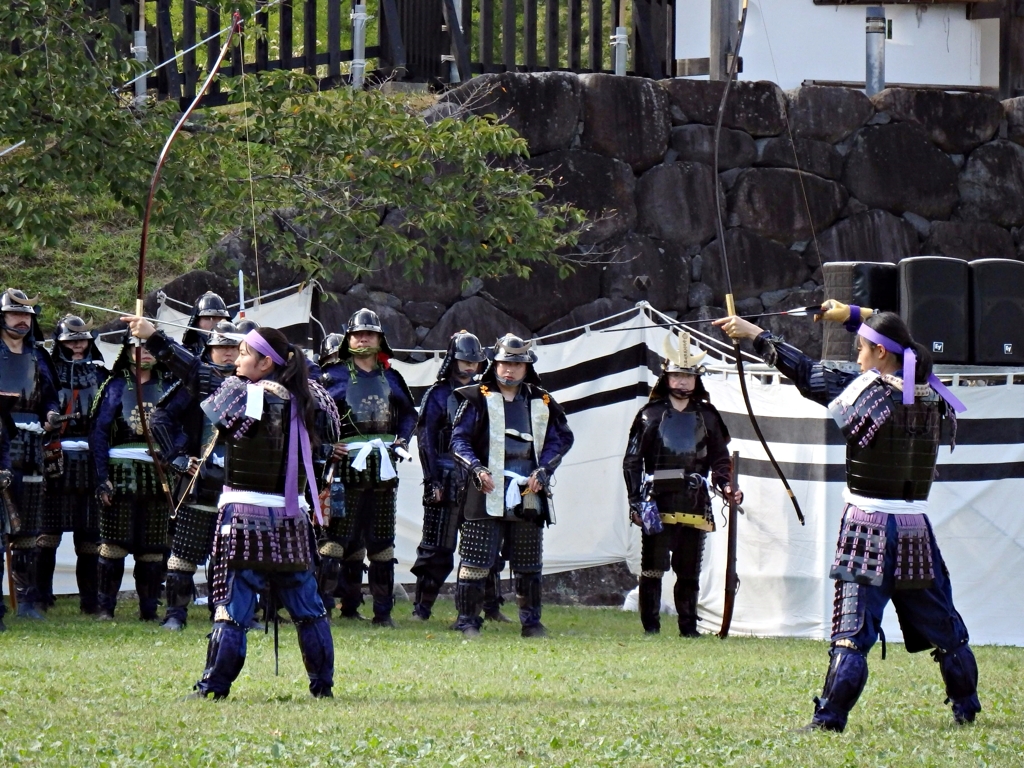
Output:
x=331 y=180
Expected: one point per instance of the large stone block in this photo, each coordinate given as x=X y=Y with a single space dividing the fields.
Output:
x=956 y=122
x=663 y=262
x=874 y=235
x=189 y=287
x=992 y=184
x=235 y=252
x=435 y=281
x=772 y=203
x=970 y=240
x=817 y=157
x=543 y=108
x=825 y=113
x=626 y=118
x=424 y=312
x=757 y=107
x=602 y=186
x=589 y=314
x=676 y=201
x=756 y=265
x=896 y=167
x=544 y=296
x=475 y=315
x=800 y=332
x=1014 y=111
x=336 y=309
x=696 y=143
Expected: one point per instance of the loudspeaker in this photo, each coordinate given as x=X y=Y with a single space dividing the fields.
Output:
x=997 y=312
x=934 y=293
x=864 y=283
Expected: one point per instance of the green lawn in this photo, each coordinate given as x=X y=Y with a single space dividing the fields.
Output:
x=597 y=692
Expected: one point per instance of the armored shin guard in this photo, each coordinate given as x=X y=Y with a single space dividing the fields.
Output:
x=85 y=573
x=317 y=648
x=650 y=604
x=492 y=593
x=960 y=674
x=225 y=657
x=46 y=563
x=180 y=589
x=149 y=582
x=351 y=587
x=328 y=576
x=685 y=594
x=528 y=598
x=109 y=573
x=382 y=587
x=427 y=590
x=23 y=571
x=3 y=603
x=846 y=678
x=469 y=602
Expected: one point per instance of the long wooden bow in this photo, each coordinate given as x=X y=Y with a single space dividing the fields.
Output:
x=236 y=25
x=732 y=580
x=730 y=302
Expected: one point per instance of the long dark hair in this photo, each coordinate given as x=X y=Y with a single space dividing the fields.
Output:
x=293 y=376
x=891 y=325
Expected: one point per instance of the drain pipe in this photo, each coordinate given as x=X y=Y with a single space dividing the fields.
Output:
x=874 y=73
x=620 y=46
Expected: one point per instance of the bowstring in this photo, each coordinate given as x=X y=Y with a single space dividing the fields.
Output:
x=248 y=158
x=796 y=158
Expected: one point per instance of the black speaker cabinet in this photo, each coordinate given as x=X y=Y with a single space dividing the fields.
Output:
x=876 y=285
x=997 y=312
x=934 y=294
x=864 y=283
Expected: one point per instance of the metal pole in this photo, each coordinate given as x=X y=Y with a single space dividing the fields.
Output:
x=874 y=73
x=141 y=55
x=455 y=76
x=620 y=49
x=724 y=30
x=358 y=45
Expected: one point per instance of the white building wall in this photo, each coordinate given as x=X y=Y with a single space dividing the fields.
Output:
x=930 y=43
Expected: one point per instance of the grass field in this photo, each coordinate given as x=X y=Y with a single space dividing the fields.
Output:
x=597 y=692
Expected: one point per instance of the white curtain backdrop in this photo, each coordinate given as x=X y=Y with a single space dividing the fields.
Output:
x=603 y=377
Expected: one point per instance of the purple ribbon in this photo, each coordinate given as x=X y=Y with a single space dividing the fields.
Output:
x=296 y=433
x=909 y=367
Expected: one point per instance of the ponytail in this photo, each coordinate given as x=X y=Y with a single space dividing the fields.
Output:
x=891 y=325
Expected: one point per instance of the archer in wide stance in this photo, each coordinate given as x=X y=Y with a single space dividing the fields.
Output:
x=675 y=441
x=891 y=416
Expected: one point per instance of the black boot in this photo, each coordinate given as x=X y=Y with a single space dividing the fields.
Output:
x=328 y=575
x=85 y=573
x=528 y=597
x=493 y=598
x=686 y=593
x=46 y=563
x=3 y=604
x=351 y=588
x=960 y=674
x=179 y=590
x=846 y=678
x=23 y=569
x=382 y=589
x=650 y=604
x=469 y=602
x=225 y=657
x=317 y=648
x=149 y=583
x=110 y=572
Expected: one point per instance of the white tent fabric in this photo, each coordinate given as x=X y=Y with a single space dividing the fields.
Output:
x=603 y=378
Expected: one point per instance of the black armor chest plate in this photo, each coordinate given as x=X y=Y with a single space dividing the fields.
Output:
x=79 y=382
x=258 y=460
x=127 y=427
x=20 y=373
x=368 y=409
x=517 y=419
x=682 y=442
x=898 y=462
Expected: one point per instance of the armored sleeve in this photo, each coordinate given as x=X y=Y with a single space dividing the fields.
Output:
x=633 y=461
x=433 y=415
x=49 y=398
x=813 y=380
x=6 y=430
x=462 y=437
x=405 y=416
x=168 y=423
x=718 y=446
x=103 y=419
x=226 y=407
x=558 y=439
x=176 y=358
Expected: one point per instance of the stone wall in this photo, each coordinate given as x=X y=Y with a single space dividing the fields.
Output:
x=902 y=174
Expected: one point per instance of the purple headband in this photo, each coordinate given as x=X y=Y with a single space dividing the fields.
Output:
x=297 y=434
x=909 y=367
x=261 y=345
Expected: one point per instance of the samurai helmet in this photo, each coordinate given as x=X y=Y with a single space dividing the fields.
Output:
x=244 y=326
x=73 y=328
x=684 y=358
x=211 y=305
x=463 y=346
x=224 y=334
x=14 y=300
x=364 y=320
x=512 y=349
x=330 y=348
